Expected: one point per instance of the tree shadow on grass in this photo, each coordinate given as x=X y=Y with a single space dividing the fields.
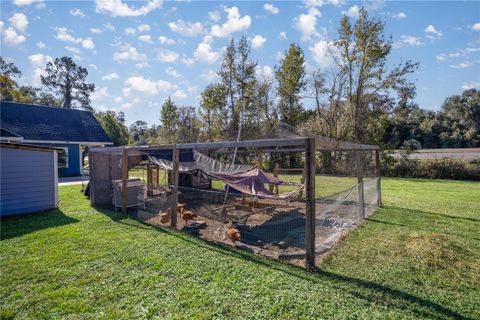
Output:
x=429 y=221
x=369 y=291
x=12 y=227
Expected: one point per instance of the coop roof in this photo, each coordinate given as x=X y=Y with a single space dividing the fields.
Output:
x=42 y=123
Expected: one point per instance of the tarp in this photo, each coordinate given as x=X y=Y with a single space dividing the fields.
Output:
x=244 y=178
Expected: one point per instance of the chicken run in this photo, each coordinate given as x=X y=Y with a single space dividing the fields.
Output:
x=197 y=188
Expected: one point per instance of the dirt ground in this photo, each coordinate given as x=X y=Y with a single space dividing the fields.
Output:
x=271 y=228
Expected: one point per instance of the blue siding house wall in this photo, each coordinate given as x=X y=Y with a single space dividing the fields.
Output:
x=28 y=179
x=69 y=129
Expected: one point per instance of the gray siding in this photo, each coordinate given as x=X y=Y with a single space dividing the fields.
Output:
x=27 y=181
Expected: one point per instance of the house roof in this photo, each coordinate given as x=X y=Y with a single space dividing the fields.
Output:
x=7 y=134
x=11 y=145
x=42 y=123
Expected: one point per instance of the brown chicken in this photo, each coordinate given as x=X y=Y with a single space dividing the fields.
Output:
x=233 y=234
x=181 y=207
x=188 y=215
x=166 y=216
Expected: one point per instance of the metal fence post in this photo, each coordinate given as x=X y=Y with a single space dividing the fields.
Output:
x=379 y=177
x=361 y=199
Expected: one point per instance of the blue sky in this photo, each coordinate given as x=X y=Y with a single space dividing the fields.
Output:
x=138 y=53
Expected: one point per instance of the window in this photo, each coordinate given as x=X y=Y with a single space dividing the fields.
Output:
x=63 y=158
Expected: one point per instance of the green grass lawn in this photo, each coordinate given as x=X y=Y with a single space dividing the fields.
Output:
x=418 y=257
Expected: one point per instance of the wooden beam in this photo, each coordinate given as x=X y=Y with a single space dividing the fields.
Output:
x=243 y=144
x=325 y=143
x=310 y=203
x=276 y=170
x=270 y=150
x=361 y=199
x=174 y=186
x=124 y=180
x=379 y=178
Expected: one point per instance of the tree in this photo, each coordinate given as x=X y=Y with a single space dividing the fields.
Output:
x=188 y=126
x=8 y=86
x=227 y=75
x=213 y=104
x=362 y=54
x=114 y=126
x=68 y=80
x=138 y=130
x=169 y=119
x=290 y=77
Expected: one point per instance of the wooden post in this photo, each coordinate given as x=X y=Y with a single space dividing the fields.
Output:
x=174 y=186
x=149 y=180
x=359 y=169
x=275 y=174
x=302 y=180
x=158 y=175
x=310 y=206
x=124 y=180
x=379 y=177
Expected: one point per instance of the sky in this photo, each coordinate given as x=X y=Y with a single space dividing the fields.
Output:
x=138 y=53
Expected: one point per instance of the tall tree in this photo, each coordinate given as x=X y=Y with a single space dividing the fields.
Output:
x=362 y=56
x=213 y=111
x=227 y=75
x=290 y=75
x=114 y=125
x=188 y=126
x=68 y=80
x=138 y=130
x=9 y=90
x=169 y=119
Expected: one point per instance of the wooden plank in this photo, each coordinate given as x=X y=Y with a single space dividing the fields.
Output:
x=361 y=199
x=270 y=150
x=174 y=186
x=124 y=180
x=243 y=144
x=325 y=143
x=310 y=204
x=379 y=178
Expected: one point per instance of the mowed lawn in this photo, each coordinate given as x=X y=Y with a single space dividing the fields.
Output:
x=418 y=257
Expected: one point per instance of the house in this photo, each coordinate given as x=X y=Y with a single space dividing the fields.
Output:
x=70 y=130
x=28 y=179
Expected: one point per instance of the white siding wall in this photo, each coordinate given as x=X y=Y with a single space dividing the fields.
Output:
x=28 y=181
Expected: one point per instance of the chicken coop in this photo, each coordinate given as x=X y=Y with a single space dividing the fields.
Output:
x=290 y=199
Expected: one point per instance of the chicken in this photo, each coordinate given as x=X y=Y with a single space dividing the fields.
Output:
x=233 y=234
x=188 y=215
x=181 y=207
x=165 y=217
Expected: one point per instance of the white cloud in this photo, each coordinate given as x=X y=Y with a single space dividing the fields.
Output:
x=214 y=15
x=12 y=38
x=204 y=52
x=167 y=56
x=19 y=21
x=38 y=62
x=476 y=26
x=111 y=76
x=99 y=94
x=143 y=27
x=179 y=94
x=279 y=55
x=88 y=44
x=282 y=35
x=165 y=40
x=432 y=33
x=352 y=12
x=63 y=35
x=233 y=24
x=145 y=38
x=265 y=72
x=116 y=8
x=457 y=54
x=306 y=23
x=93 y=66
x=96 y=30
x=187 y=61
x=406 y=40
x=471 y=85
x=142 y=65
x=146 y=86
x=172 y=72
x=258 y=41
x=77 y=13
x=462 y=65
x=40 y=45
x=128 y=53
x=322 y=53
x=23 y=3
x=209 y=75
x=109 y=26
x=185 y=28
x=72 y=49
x=399 y=15
x=271 y=8
x=130 y=31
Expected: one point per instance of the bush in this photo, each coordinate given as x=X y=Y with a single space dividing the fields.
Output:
x=433 y=169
